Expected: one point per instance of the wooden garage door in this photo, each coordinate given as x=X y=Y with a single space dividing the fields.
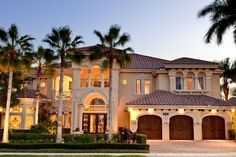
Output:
x=151 y=126
x=213 y=127
x=181 y=128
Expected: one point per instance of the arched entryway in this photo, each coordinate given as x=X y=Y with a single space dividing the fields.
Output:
x=181 y=128
x=213 y=127
x=151 y=126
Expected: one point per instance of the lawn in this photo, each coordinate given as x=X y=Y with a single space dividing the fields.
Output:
x=74 y=156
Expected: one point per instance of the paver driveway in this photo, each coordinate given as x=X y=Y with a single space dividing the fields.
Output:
x=206 y=146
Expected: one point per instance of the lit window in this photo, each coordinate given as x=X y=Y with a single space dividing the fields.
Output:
x=201 y=81
x=29 y=110
x=16 y=109
x=147 y=86
x=190 y=81
x=138 y=86
x=15 y=122
x=143 y=86
x=29 y=120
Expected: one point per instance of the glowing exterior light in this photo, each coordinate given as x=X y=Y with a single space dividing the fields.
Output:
x=233 y=110
x=181 y=111
x=213 y=111
x=150 y=110
x=1 y=109
x=130 y=109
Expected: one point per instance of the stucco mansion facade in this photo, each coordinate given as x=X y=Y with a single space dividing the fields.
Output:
x=164 y=99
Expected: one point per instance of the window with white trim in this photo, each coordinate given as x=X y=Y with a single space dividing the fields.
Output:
x=142 y=86
x=179 y=81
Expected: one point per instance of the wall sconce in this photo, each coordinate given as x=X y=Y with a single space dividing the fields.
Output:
x=181 y=110
x=213 y=111
x=233 y=110
x=150 y=110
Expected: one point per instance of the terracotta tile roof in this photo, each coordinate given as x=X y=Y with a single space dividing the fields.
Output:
x=32 y=94
x=232 y=101
x=191 y=61
x=161 y=97
x=145 y=62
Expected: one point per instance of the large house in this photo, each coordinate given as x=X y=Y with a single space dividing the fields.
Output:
x=170 y=100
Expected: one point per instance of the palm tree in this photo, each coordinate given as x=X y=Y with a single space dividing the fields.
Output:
x=229 y=72
x=63 y=46
x=12 y=59
x=42 y=59
x=222 y=16
x=111 y=43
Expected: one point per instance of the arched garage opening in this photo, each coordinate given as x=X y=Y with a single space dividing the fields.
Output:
x=151 y=126
x=213 y=127
x=181 y=128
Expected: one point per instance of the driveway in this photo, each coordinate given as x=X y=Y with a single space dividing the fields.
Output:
x=206 y=146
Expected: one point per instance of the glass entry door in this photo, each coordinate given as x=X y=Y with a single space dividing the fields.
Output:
x=94 y=122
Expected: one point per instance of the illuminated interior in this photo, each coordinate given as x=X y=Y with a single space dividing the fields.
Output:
x=67 y=85
x=190 y=81
x=96 y=76
x=201 y=80
x=84 y=77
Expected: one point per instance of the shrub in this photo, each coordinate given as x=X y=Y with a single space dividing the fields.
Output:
x=32 y=138
x=75 y=146
x=140 y=138
x=40 y=128
x=231 y=134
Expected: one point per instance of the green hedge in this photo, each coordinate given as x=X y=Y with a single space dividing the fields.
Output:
x=141 y=138
x=73 y=146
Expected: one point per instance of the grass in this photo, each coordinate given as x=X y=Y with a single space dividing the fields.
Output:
x=75 y=156
x=75 y=150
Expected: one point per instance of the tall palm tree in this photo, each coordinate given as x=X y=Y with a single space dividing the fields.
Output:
x=229 y=71
x=42 y=59
x=222 y=16
x=112 y=44
x=12 y=59
x=61 y=43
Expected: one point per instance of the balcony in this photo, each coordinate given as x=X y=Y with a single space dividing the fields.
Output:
x=95 y=108
x=66 y=95
x=94 y=83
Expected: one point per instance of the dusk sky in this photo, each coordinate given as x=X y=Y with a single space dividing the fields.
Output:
x=161 y=28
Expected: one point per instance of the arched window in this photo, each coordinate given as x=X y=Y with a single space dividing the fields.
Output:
x=67 y=87
x=190 y=81
x=84 y=77
x=179 y=81
x=106 y=77
x=97 y=101
x=201 y=81
x=96 y=76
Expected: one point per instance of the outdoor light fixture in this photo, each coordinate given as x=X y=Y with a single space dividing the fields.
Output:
x=150 y=110
x=213 y=111
x=181 y=110
x=1 y=109
x=233 y=110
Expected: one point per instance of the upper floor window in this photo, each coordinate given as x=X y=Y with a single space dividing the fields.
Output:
x=143 y=86
x=201 y=79
x=96 y=76
x=179 y=81
x=84 y=77
x=190 y=81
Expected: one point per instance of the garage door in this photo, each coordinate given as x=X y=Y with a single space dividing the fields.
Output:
x=181 y=128
x=213 y=127
x=151 y=126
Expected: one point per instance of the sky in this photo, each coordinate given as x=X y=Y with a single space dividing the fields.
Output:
x=166 y=29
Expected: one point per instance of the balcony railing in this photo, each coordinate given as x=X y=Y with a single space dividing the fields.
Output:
x=95 y=108
x=94 y=83
x=66 y=95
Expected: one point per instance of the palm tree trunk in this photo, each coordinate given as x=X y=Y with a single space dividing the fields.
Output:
x=5 y=138
x=36 y=119
x=60 y=106
x=110 y=130
x=225 y=89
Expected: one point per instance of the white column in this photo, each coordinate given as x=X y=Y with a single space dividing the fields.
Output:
x=197 y=126
x=102 y=79
x=165 y=130
x=81 y=118
x=89 y=78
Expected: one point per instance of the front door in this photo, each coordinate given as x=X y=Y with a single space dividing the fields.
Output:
x=94 y=122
